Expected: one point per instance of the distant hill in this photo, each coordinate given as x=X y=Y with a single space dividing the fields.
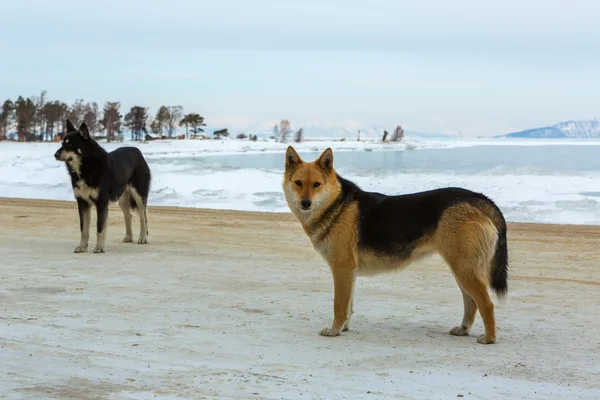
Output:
x=586 y=129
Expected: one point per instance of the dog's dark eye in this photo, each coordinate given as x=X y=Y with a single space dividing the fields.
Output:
x=316 y=184
x=298 y=183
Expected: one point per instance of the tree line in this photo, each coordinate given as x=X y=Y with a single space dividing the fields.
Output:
x=38 y=118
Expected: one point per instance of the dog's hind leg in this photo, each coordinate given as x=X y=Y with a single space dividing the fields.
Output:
x=85 y=216
x=466 y=240
x=477 y=290
x=124 y=203
x=102 y=215
x=469 y=315
x=141 y=207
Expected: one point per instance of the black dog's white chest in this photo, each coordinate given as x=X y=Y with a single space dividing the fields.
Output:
x=85 y=192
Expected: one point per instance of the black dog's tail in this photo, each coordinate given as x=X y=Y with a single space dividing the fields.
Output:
x=499 y=278
x=147 y=181
x=141 y=180
x=146 y=219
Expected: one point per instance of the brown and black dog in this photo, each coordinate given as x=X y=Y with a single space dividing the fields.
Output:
x=366 y=233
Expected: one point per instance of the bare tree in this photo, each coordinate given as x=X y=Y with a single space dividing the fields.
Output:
x=40 y=118
x=175 y=115
x=284 y=129
x=90 y=117
x=398 y=134
x=385 y=135
x=160 y=123
x=77 y=112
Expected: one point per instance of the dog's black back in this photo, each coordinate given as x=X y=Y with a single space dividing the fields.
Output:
x=127 y=166
x=380 y=215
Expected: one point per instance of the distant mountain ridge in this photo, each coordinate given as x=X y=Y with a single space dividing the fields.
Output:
x=585 y=129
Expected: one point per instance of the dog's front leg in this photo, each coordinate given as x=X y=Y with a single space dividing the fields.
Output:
x=85 y=216
x=343 y=281
x=102 y=217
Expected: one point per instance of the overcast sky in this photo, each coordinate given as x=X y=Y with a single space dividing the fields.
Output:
x=433 y=66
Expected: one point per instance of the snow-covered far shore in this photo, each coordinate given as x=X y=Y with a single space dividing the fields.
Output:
x=229 y=174
x=245 y=146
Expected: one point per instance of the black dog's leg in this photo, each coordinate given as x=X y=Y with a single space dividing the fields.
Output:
x=125 y=204
x=102 y=213
x=85 y=216
x=141 y=207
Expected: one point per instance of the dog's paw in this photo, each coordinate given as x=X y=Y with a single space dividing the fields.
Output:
x=483 y=339
x=459 y=331
x=127 y=239
x=99 y=249
x=329 y=332
x=80 y=249
x=142 y=241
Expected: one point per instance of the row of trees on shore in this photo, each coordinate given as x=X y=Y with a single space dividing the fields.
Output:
x=38 y=118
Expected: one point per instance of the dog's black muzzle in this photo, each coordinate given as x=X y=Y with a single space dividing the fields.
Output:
x=57 y=154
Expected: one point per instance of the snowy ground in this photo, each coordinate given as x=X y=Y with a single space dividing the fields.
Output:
x=227 y=305
x=186 y=174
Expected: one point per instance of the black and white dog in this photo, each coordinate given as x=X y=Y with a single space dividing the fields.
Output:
x=99 y=177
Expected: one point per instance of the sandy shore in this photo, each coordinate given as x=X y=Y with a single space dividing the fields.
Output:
x=228 y=305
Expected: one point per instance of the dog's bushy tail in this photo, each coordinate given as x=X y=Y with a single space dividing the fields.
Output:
x=147 y=181
x=499 y=275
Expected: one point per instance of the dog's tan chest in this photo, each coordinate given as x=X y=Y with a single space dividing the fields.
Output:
x=85 y=192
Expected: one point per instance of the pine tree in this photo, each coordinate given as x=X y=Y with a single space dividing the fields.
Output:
x=195 y=121
x=111 y=119
x=25 y=116
x=385 y=135
x=398 y=134
x=136 y=120
x=299 y=135
x=6 y=117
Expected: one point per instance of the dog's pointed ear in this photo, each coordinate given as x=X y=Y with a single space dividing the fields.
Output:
x=70 y=127
x=292 y=159
x=83 y=131
x=325 y=160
